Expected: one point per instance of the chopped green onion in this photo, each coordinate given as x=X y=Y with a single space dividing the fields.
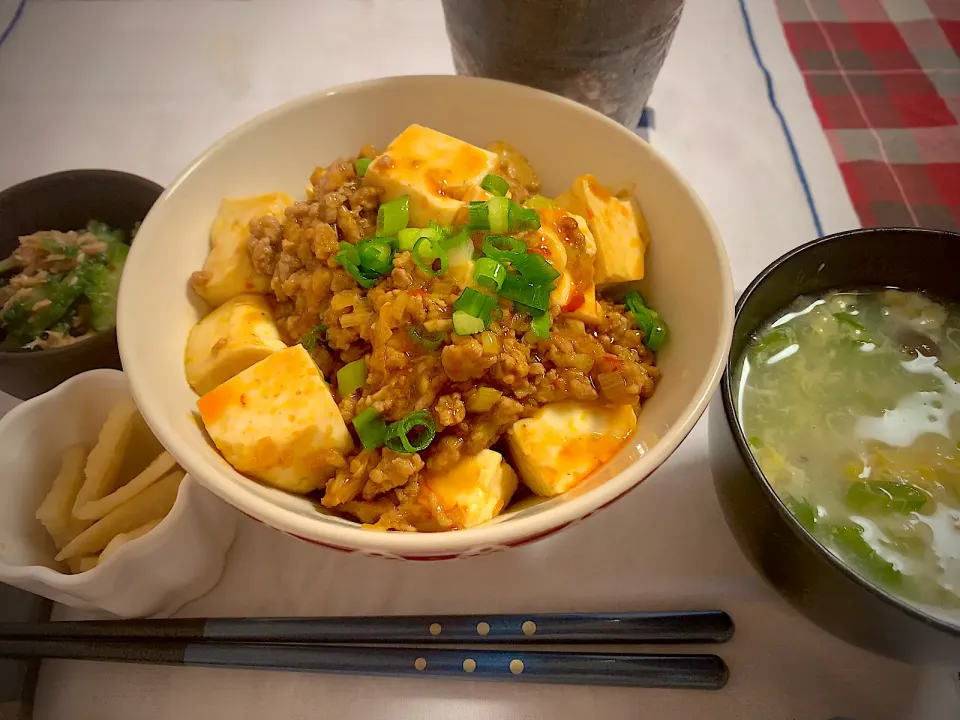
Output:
x=448 y=233
x=454 y=240
x=412 y=434
x=634 y=301
x=371 y=428
x=364 y=279
x=426 y=252
x=361 y=165
x=654 y=329
x=495 y=184
x=430 y=340
x=309 y=341
x=392 y=217
x=376 y=255
x=535 y=269
x=479 y=216
x=460 y=256
x=541 y=325
x=351 y=377
x=475 y=303
x=408 y=237
x=521 y=218
x=349 y=258
x=483 y=399
x=348 y=254
x=498 y=212
x=466 y=324
x=658 y=335
x=489 y=273
x=504 y=248
x=645 y=321
x=531 y=296
x=539 y=202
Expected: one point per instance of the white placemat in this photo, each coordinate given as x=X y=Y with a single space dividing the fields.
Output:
x=164 y=78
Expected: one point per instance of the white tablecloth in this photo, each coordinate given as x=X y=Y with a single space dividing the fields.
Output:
x=145 y=85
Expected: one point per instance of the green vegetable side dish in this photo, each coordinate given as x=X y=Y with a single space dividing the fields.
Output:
x=853 y=415
x=58 y=288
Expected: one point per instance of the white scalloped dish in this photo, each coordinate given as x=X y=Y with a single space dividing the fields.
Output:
x=154 y=575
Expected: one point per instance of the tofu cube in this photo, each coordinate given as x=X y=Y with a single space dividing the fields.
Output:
x=230 y=339
x=229 y=271
x=563 y=443
x=471 y=492
x=276 y=421
x=576 y=292
x=434 y=169
x=618 y=227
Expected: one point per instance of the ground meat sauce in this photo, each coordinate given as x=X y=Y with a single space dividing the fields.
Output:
x=606 y=361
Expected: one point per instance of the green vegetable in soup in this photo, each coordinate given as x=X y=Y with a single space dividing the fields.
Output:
x=770 y=344
x=849 y=542
x=853 y=327
x=882 y=497
x=803 y=511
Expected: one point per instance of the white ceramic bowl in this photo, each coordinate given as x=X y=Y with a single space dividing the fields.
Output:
x=154 y=575
x=688 y=281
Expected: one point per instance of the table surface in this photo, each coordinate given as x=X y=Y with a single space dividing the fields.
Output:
x=178 y=74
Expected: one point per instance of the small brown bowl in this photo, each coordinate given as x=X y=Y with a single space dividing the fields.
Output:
x=67 y=201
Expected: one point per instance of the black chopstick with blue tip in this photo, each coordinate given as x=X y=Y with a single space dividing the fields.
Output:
x=703 y=626
x=701 y=672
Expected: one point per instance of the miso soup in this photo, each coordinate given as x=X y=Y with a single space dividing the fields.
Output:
x=851 y=405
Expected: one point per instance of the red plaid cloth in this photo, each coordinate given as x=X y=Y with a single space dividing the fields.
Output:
x=884 y=77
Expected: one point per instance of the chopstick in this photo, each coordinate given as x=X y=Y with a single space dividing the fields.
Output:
x=702 y=626
x=703 y=672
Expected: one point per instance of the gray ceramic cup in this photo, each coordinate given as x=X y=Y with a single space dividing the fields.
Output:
x=605 y=54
